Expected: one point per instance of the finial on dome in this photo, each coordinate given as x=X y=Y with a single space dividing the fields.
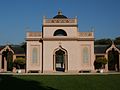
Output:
x=59 y=12
x=59 y=15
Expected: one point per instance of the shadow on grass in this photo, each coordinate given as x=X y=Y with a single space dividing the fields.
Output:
x=8 y=82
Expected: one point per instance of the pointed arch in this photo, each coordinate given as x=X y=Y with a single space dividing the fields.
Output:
x=112 y=46
x=7 y=48
x=113 y=56
x=60 y=48
x=60 y=59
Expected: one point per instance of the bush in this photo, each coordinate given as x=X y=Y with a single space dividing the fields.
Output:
x=19 y=63
x=100 y=62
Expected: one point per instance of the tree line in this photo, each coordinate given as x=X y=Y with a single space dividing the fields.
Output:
x=107 y=41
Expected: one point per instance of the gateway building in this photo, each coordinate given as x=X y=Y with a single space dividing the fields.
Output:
x=60 y=47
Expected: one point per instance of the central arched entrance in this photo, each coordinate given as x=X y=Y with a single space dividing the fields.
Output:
x=60 y=60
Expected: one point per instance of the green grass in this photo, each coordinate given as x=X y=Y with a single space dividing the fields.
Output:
x=60 y=82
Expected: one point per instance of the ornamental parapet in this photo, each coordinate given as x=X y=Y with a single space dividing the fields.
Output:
x=86 y=34
x=72 y=21
x=34 y=34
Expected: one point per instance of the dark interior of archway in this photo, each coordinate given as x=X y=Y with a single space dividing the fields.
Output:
x=8 y=55
x=113 y=60
x=3 y=55
x=60 y=60
x=9 y=61
x=60 y=32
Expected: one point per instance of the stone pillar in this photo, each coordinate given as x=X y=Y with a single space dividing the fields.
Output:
x=66 y=63
x=53 y=63
x=106 y=66
x=0 y=62
x=119 y=62
x=5 y=64
x=14 y=57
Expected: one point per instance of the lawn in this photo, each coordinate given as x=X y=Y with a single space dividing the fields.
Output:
x=60 y=82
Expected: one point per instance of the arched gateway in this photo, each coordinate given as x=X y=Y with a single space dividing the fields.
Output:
x=113 y=63
x=60 y=62
x=113 y=56
x=7 y=59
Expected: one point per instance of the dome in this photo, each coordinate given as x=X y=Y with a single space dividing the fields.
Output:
x=59 y=16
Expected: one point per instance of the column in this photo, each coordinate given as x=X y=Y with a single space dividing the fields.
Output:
x=106 y=66
x=5 y=64
x=14 y=57
x=66 y=63
x=0 y=62
x=53 y=63
x=119 y=61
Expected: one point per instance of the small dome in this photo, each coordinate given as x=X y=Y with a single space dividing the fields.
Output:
x=59 y=16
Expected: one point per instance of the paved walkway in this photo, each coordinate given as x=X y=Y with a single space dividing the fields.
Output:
x=60 y=73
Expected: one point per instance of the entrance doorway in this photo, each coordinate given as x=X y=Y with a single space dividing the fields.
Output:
x=113 y=60
x=60 y=62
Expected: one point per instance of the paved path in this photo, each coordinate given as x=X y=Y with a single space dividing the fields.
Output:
x=60 y=73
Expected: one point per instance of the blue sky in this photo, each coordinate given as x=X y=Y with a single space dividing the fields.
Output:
x=17 y=15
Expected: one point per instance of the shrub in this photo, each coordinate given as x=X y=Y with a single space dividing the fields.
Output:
x=100 y=62
x=19 y=63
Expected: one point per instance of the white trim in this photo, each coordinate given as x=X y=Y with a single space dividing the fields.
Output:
x=5 y=48
x=115 y=48
x=66 y=58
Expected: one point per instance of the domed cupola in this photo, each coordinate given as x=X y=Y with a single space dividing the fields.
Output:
x=59 y=16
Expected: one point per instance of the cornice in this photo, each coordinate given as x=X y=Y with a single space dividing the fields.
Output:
x=59 y=39
x=60 y=25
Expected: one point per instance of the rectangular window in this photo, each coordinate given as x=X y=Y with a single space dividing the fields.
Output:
x=34 y=55
x=85 y=55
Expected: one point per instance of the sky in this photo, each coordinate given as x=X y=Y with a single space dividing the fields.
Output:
x=19 y=16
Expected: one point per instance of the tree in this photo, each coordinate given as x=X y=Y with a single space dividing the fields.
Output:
x=117 y=41
x=103 y=42
x=19 y=63
x=100 y=62
x=107 y=41
x=23 y=45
